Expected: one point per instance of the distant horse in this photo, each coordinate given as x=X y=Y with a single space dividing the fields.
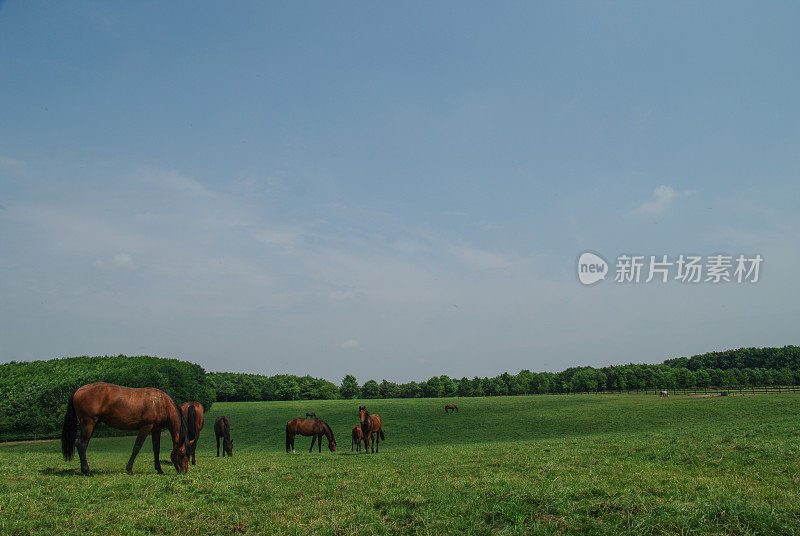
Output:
x=357 y=437
x=311 y=415
x=450 y=408
x=146 y=410
x=315 y=428
x=371 y=424
x=195 y=418
x=664 y=394
x=222 y=429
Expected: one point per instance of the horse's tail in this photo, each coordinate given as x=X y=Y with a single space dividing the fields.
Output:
x=69 y=431
x=381 y=433
x=191 y=422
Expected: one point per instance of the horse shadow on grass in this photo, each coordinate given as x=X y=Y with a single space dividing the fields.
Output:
x=52 y=471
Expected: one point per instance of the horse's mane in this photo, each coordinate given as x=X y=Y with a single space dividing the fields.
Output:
x=184 y=431
x=226 y=428
x=327 y=429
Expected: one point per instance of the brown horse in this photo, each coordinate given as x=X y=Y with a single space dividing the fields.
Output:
x=146 y=410
x=222 y=429
x=357 y=437
x=315 y=428
x=370 y=424
x=450 y=408
x=193 y=411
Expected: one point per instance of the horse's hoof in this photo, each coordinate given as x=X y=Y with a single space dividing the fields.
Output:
x=160 y=472
x=86 y=473
x=129 y=471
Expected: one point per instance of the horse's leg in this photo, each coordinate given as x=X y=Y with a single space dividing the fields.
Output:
x=313 y=438
x=87 y=429
x=137 y=446
x=217 y=446
x=157 y=451
x=319 y=443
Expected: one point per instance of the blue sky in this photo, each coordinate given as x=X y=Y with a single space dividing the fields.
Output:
x=393 y=191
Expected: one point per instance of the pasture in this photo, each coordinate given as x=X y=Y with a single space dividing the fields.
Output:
x=580 y=464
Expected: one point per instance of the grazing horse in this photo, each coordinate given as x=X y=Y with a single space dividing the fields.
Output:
x=146 y=410
x=311 y=415
x=371 y=424
x=222 y=428
x=315 y=428
x=450 y=408
x=664 y=394
x=357 y=437
x=193 y=411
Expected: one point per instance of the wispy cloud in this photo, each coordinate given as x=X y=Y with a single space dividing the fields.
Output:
x=663 y=198
x=120 y=260
x=17 y=166
x=177 y=182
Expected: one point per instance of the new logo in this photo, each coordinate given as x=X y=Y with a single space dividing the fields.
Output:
x=591 y=268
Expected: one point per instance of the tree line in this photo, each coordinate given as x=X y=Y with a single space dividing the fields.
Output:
x=33 y=395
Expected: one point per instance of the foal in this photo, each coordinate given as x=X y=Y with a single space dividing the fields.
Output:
x=222 y=429
x=357 y=437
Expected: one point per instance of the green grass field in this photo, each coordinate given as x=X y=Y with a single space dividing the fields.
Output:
x=580 y=464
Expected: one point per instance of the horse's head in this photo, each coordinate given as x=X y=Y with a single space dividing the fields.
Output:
x=227 y=446
x=180 y=459
x=182 y=449
x=329 y=434
x=363 y=414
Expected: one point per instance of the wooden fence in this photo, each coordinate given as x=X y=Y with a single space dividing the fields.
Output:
x=720 y=391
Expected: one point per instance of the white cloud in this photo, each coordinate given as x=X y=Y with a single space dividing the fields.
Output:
x=178 y=183
x=16 y=166
x=123 y=260
x=278 y=237
x=350 y=344
x=120 y=260
x=478 y=259
x=663 y=197
x=342 y=295
x=78 y=231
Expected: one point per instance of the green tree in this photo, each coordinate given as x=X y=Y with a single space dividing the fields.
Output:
x=389 y=390
x=432 y=388
x=464 y=387
x=349 y=387
x=448 y=385
x=371 y=389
